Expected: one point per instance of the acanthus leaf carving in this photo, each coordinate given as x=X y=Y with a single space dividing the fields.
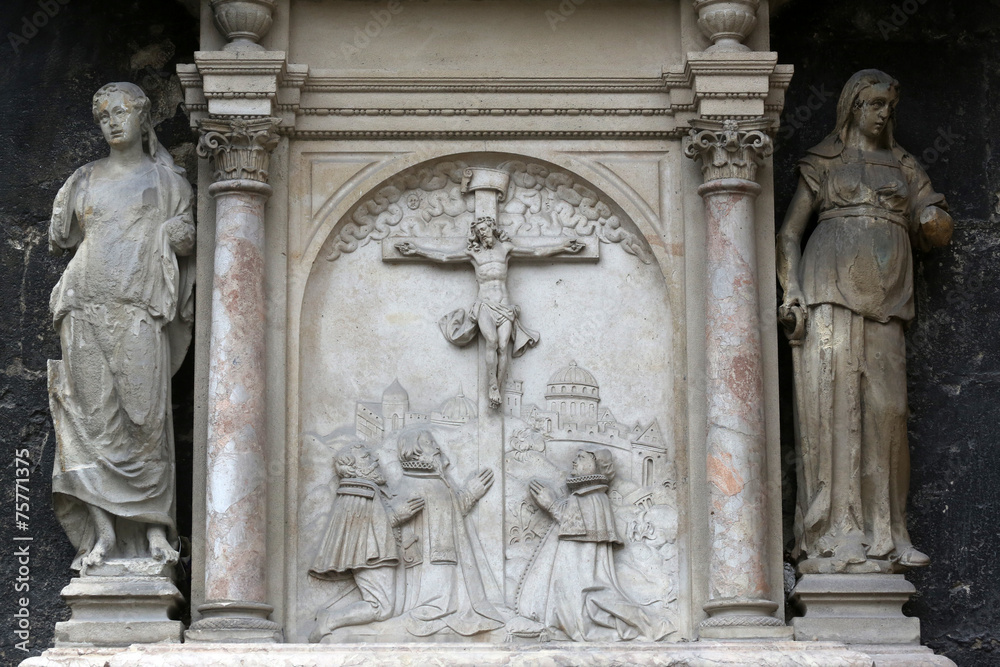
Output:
x=240 y=148
x=728 y=151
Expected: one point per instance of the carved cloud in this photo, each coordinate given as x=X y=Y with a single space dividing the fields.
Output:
x=428 y=201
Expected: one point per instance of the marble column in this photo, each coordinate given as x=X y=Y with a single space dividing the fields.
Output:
x=740 y=598
x=235 y=607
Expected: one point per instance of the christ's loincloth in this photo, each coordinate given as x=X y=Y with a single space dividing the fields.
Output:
x=460 y=327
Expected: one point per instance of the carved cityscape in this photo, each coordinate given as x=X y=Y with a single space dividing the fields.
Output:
x=572 y=413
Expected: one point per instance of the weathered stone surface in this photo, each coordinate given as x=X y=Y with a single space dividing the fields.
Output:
x=848 y=293
x=887 y=655
x=551 y=474
x=949 y=99
x=855 y=609
x=781 y=654
x=235 y=606
x=739 y=580
x=120 y=610
x=50 y=75
x=123 y=308
x=950 y=47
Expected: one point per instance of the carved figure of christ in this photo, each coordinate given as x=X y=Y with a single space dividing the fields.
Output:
x=489 y=251
x=493 y=319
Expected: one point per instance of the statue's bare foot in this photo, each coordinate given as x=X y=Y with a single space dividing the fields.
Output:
x=851 y=552
x=495 y=398
x=159 y=547
x=96 y=554
x=104 y=528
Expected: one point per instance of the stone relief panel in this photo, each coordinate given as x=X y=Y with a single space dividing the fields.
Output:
x=439 y=498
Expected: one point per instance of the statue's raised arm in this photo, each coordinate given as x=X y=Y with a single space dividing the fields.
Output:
x=566 y=246
x=411 y=249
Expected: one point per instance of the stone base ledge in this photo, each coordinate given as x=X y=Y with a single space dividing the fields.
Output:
x=888 y=655
x=691 y=654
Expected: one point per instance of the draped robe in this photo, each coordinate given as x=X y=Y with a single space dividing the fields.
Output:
x=123 y=310
x=856 y=274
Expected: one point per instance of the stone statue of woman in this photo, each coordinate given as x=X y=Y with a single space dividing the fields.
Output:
x=847 y=299
x=123 y=311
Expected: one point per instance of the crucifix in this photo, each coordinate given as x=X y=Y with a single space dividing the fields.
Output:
x=493 y=319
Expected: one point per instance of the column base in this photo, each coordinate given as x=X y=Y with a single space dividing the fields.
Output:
x=119 y=603
x=236 y=622
x=743 y=618
x=855 y=609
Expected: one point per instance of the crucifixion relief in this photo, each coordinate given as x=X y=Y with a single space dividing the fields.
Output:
x=495 y=319
x=489 y=249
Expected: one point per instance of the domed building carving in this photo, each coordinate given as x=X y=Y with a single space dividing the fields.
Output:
x=572 y=392
x=458 y=409
x=373 y=420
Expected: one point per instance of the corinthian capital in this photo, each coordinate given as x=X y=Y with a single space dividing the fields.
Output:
x=240 y=148
x=728 y=149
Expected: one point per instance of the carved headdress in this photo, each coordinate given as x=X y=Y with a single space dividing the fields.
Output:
x=833 y=144
x=142 y=103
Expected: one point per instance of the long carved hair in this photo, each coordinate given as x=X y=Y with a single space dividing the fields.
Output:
x=345 y=462
x=152 y=146
x=474 y=242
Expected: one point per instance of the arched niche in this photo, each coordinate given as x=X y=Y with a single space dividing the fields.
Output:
x=370 y=328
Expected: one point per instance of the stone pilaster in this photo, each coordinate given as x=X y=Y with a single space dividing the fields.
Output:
x=235 y=607
x=741 y=602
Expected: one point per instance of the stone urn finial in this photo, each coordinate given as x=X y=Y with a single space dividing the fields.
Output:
x=243 y=22
x=727 y=22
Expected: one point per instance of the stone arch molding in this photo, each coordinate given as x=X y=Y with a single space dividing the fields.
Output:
x=541 y=200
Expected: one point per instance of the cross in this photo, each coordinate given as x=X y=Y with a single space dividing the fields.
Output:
x=493 y=319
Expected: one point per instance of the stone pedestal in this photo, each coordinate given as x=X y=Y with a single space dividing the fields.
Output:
x=855 y=608
x=865 y=612
x=119 y=606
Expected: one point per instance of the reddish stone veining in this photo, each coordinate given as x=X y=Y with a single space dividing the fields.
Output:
x=735 y=389
x=236 y=484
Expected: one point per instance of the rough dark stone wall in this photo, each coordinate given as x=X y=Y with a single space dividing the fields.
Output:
x=946 y=56
x=48 y=73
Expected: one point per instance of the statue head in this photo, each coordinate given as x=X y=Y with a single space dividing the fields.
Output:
x=359 y=462
x=419 y=450
x=122 y=111
x=868 y=104
x=593 y=461
x=485 y=232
